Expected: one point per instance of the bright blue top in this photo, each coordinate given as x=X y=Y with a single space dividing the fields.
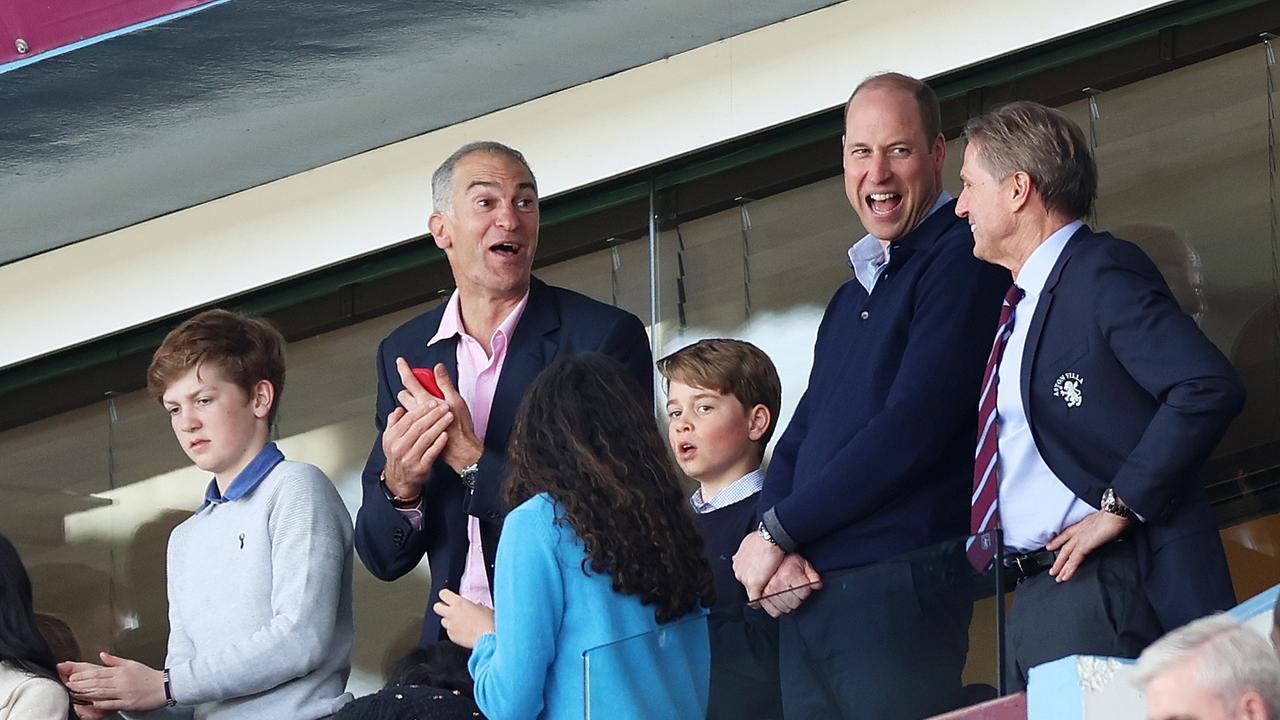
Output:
x=549 y=613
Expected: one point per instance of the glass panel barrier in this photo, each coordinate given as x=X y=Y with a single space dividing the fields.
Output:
x=908 y=637
x=54 y=470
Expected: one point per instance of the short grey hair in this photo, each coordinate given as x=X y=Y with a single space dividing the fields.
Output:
x=1230 y=660
x=442 y=178
x=1045 y=144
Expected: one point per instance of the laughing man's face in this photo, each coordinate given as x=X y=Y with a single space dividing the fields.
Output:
x=892 y=172
x=491 y=232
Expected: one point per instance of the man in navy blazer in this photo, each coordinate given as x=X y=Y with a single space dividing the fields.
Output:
x=432 y=485
x=1108 y=399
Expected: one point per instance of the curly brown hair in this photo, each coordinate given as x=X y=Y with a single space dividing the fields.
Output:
x=585 y=437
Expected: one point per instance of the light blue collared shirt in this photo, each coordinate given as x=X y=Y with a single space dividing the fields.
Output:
x=737 y=491
x=1034 y=504
x=248 y=479
x=870 y=256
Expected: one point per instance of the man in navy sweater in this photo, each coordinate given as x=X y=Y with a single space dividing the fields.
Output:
x=877 y=462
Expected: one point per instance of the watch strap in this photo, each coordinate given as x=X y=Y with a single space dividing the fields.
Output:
x=778 y=534
x=469 y=475
x=169 y=700
x=1113 y=505
x=763 y=532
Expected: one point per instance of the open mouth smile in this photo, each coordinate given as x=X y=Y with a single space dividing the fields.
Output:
x=884 y=203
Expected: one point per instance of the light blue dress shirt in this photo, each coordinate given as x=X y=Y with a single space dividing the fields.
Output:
x=1034 y=504
x=737 y=491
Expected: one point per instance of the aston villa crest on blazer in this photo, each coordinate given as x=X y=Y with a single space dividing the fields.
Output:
x=1069 y=388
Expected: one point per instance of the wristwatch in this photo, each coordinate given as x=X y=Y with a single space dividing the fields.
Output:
x=763 y=532
x=169 y=699
x=469 y=475
x=1112 y=504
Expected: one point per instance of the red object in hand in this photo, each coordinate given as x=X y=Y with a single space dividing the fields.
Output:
x=427 y=377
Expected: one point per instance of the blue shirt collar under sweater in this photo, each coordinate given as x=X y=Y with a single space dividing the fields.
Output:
x=252 y=474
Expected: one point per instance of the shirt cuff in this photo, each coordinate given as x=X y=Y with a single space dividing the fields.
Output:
x=779 y=534
x=413 y=515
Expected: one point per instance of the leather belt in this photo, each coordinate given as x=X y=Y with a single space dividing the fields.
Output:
x=1030 y=564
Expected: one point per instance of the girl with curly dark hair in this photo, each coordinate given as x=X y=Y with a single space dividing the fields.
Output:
x=600 y=546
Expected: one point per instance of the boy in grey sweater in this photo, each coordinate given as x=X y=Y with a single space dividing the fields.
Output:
x=259 y=578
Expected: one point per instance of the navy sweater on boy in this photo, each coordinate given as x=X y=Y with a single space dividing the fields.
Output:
x=878 y=458
x=744 y=642
x=722 y=532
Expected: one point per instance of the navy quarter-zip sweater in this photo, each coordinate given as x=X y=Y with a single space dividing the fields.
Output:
x=878 y=458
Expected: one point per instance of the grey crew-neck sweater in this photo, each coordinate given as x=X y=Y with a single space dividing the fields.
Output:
x=260 y=623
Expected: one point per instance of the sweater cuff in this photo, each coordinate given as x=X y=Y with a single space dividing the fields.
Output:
x=779 y=534
x=482 y=652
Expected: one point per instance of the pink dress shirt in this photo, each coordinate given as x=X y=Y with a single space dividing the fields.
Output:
x=477 y=381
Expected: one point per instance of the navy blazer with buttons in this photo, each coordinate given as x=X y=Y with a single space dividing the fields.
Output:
x=1155 y=396
x=556 y=322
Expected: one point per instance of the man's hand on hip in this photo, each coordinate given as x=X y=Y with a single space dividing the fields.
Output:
x=755 y=563
x=794 y=580
x=1076 y=542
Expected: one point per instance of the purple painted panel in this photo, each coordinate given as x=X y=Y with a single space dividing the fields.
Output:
x=1009 y=707
x=31 y=27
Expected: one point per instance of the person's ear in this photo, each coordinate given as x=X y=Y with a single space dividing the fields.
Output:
x=1020 y=188
x=939 y=153
x=261 y=397
x=1252 y=707
x=438 y=226
x=758 y=419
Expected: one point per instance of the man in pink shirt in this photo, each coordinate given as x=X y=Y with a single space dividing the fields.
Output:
x=433 y=478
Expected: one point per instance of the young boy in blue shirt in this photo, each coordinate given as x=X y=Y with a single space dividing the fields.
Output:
x=723 y=397
x=259 y=578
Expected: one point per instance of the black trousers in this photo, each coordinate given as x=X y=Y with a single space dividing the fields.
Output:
x=1101 y=610
x=883 y=641
x=744 y=666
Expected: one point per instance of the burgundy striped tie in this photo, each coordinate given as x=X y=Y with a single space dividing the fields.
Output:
x=984 y=513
